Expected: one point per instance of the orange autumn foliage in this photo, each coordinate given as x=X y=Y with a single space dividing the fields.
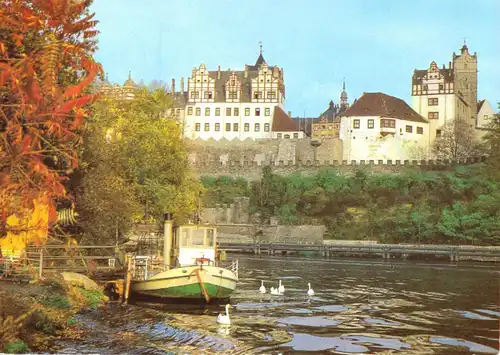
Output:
x=46 y=66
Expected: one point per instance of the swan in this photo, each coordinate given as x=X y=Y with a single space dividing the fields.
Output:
x=310 y=291
x=281 y=288
x=224 y=319
x=262 y=288
x=274 y=291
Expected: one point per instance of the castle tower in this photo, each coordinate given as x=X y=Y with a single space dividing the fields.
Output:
x=465 y=78
x=343 y=97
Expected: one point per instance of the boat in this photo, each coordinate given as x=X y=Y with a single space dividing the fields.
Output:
x=191 y=268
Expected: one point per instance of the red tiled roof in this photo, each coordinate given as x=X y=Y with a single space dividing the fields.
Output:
x=380 y=104
x=282 y=122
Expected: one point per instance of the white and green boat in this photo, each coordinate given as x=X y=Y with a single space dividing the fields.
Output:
x=197 y=273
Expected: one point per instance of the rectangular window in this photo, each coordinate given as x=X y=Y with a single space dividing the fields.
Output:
x=271 y=94
x=207 y=94
x=236 y=111
x=217 y=111
x=198 y=111
x=438 y=133
x=420 y=130
x=371 y=123
x=257 y=127
x=228 y=127
x=233 y=94
x=195 y=94
x=296 y=135
x=433 y=115
x=356 y=123
x=235 y=127
x=190 y=111
x=207 y=127
x=247 y=111
x=432 y=101
x=257 y=95
x=387 y=123
x=247 y=127
x=268 y=111
x=279 y=135
x=409 y=129
x=266 y=127
x=257 y=112
x=228 y=111
x=207 y=111
x=217 y=127
x=441 y=87
x=197 y=127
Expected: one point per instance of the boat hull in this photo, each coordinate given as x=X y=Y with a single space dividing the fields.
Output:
x=183 y=284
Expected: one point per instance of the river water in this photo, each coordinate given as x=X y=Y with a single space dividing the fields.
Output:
x=359 y=307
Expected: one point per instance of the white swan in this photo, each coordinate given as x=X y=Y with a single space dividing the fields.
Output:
x=262 y=288
x=310 y=291
x=281 y=288
x=274 y=291
x=224 y=319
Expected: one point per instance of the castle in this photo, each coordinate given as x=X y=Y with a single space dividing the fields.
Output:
x=227 y=111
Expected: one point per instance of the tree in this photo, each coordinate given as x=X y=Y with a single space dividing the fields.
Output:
x=492 y=140
x=46 y=65
x=135 y=167
x=456 y=142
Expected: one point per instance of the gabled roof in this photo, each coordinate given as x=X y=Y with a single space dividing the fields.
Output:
x=380 y=104
x=480 y=104
x=282 y=122
x=419 y=74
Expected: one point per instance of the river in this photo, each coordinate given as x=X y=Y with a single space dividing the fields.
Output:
x=359 y=307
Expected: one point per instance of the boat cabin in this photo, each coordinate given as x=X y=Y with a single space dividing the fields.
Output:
x=196 y=243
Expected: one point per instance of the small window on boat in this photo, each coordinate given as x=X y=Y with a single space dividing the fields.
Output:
x=198 y=237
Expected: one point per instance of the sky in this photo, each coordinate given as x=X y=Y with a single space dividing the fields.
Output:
x=374 y=44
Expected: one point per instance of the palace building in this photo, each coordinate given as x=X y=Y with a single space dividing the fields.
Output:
x=231 y=104
x=447 y=93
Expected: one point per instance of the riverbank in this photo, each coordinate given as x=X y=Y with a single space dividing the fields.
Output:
x=34 y=315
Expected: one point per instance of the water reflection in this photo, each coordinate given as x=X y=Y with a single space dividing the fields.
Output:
x=358 y=307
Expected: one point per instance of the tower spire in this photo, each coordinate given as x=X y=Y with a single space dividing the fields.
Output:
x=260 y=47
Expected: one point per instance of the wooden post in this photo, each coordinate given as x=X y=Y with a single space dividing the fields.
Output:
x=128 y=279
x=40 y=269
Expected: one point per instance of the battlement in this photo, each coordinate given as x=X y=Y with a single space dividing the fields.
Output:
x=330 y=163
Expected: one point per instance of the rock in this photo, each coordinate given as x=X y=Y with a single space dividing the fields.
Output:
x=79 y=280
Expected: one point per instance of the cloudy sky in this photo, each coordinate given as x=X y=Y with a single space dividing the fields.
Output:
x=374 y=44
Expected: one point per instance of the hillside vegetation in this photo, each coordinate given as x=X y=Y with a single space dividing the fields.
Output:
x=457 y=207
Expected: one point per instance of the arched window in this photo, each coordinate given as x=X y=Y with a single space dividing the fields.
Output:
x=286 y=136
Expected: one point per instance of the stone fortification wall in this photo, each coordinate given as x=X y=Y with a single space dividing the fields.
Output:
x=250 y=233
x=287 y=156
x=234 y=213
x=263 y=151
x=251 y=170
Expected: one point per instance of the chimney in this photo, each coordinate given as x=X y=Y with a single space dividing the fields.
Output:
x=173 y=86
x=218 y=72
x=290 y=114
x=182 y=84
x=246 y=71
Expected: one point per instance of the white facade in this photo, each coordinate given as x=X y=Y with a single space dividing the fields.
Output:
x=228 y=120
x=233 y=104
x=484 y=115
x=383 y=138
x=446 y=94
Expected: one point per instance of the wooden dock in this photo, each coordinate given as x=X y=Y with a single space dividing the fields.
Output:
x=385 y=251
